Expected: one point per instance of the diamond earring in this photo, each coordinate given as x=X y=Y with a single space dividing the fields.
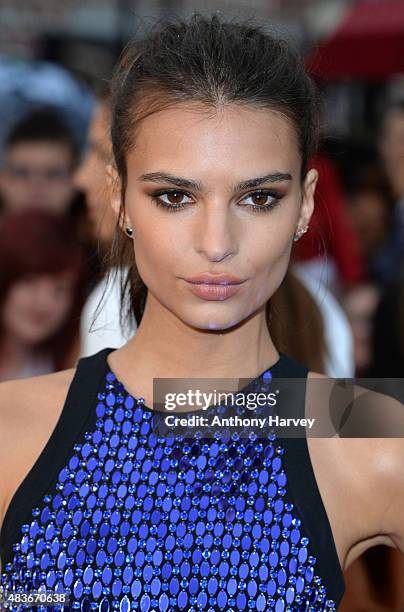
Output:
x=129 y=231
x=300 y=233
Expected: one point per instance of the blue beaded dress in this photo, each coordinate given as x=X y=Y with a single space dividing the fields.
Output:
x=120 y=519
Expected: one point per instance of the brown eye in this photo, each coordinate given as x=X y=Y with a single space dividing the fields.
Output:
x=259 y=198
x=263 y=200
x=174 y=197
x=172 y=200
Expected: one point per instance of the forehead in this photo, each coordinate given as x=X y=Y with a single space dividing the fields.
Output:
x=198 y=138
x=38 y=276
x=40 y=151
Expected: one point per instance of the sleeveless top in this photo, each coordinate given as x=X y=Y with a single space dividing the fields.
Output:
x=116 y=518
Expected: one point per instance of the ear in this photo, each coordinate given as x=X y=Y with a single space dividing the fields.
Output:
x=115 y=195
x=308 y=191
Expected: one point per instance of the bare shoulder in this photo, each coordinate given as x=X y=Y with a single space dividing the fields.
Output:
x=367 y=467
x=29 y=411
x=29 y=400
x=357 y=411
x=46 y=382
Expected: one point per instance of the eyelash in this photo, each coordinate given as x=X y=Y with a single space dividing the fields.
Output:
x=255 y=208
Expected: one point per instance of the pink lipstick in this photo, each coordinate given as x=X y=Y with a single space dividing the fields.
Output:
x=219 y=286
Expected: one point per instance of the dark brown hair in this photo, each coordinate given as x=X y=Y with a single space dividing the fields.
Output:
x=44 y=125
x=296 y=323
x=213 y=62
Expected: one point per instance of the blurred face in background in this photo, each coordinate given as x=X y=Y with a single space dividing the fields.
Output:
x=37 y=175
x=90 y=178
x=360 y=304
x=392 y=150
x=37 y=306
x=369 y=213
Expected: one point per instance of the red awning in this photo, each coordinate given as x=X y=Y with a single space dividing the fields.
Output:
x=369 y=44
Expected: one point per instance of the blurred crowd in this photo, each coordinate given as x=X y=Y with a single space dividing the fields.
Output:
x=340 y=309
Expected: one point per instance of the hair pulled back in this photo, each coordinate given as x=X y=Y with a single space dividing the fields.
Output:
x=213 y=62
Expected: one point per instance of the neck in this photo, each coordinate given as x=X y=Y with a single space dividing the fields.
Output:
x=164 y=346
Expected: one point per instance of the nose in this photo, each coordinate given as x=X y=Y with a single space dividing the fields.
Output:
x=38 y=180
x=215 y=232
x=43 y=294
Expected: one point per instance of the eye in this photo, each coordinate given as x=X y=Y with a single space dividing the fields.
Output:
x=20 y=172
x=57 y=174
x=172 y=199
x=262 y=200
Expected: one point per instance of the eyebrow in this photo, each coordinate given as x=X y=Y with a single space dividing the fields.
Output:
x=163 y=177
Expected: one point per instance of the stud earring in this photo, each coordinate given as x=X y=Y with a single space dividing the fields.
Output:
x=300 y=233
x=129 y=231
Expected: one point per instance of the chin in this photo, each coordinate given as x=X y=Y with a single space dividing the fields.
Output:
x=35 y=338
x=213 y=323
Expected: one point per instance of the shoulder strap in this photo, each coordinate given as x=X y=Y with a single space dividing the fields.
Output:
x=304 y=491
x=290 y=367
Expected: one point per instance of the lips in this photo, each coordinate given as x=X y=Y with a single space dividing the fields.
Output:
x=38 y=319
x=210 y=286
x=207 y=278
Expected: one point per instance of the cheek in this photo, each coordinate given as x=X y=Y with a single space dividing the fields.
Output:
x=148 y=264
x=158 y=251
x=18 y=300
x=62 y=303
x=269 y=259
x=15 y=308
x=62 y=307
x=268 y=248
x=66 y=188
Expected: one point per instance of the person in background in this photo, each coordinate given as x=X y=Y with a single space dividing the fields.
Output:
x=391 y=148
x=387 y=339
x=103 y=304
x=39 y=159
x=360 y=304
x=42 y=290
x=370 y=207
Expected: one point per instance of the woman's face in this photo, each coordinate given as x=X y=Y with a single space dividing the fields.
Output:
x=215 y=192
x=37 y=305
x=90 y=177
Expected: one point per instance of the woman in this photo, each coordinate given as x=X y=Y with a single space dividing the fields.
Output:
x=212 y=127
x=304 y=340
x=42 y=276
